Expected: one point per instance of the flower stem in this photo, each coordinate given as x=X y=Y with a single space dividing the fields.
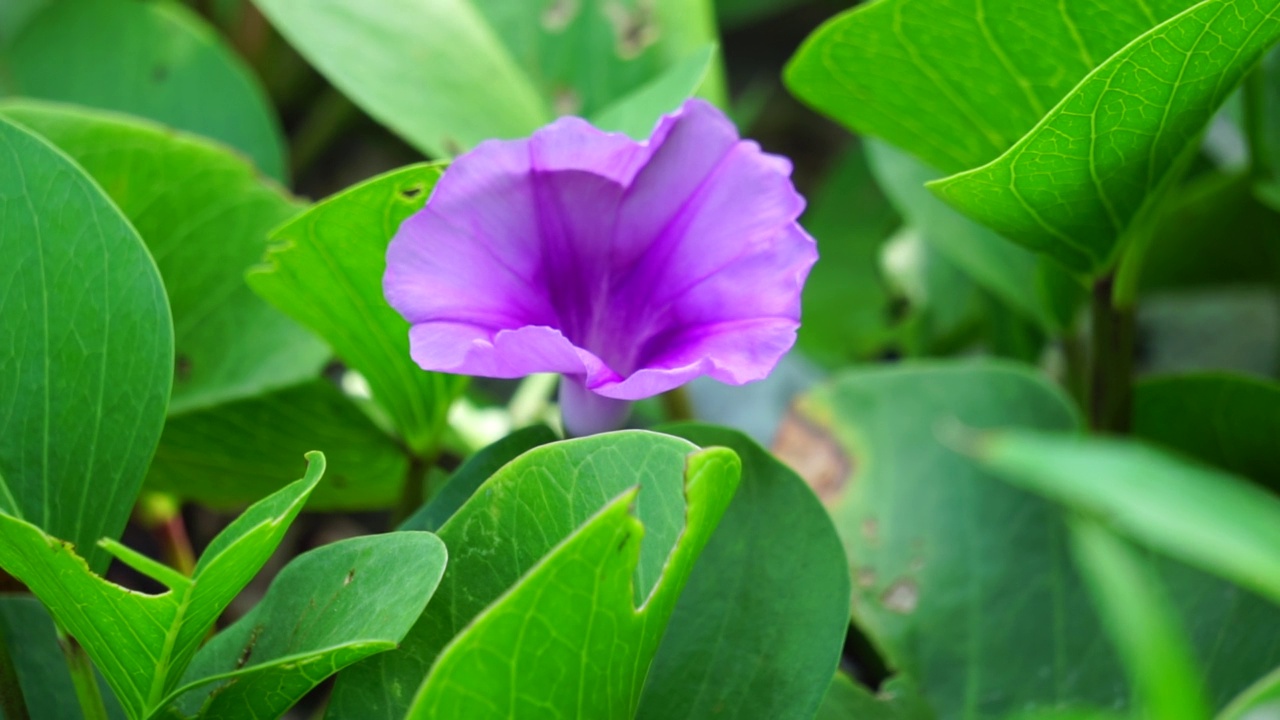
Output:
x=162 y=515
x=586 y=413
x=414 y=492
x=83 y=678
x=1111 y=378
x=676 y=404
x=13 y=705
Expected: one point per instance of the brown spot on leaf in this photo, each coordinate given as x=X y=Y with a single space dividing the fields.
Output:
x=866 y=578
x=634 y=28
x=351 y=575
x=871 y=531
x=248 y=647
x=559 y=14
x=901 y=597
x=181 y=368
x=451 y=147
x=566 y=101
x=410 y=193
x=815 y=455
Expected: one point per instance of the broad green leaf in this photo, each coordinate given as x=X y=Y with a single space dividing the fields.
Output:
x=1259 y=702
x=1229 y=421
x=637 y=113
x=327 y=609
x=478 y=468
x=29 y=636
x=230 y=455
x=1142 y=623
x=433 y=71
x=156 y=59
x=1074 y=185
x=895 y=700
x=848 y=308
x=934 y=543
x=143 y=643
x=1201 y=516
x=86 y=347
x=1033 y=286
x=541 y=649
x=325 y=271
x=541 y=502
x=205 y=214
x=761 y=623
x=958 y=82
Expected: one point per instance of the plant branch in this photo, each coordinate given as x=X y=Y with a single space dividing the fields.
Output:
x=13 y=705
x=1111 y=372
x=83 y=678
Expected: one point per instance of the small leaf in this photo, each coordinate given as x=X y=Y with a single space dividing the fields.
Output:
x=204 y=213
x=761 y=623
x=86 y=345
x=325 y=271
x=1203 y=517
x=143 y=643
x=1075 y=183
x=158 y=60
x=327 y=609
x=227 y=456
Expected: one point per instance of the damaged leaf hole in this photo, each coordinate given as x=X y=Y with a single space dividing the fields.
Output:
x=351 y=575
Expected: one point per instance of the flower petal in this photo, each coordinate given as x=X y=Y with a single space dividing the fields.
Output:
x=476 y=350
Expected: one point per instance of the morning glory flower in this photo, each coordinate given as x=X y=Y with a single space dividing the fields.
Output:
x=628 y=267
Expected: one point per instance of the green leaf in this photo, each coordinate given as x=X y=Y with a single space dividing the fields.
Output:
x=15 y=14
x=1142 y=623
x=86 y=345
x=327 y=609
x=143 y=643
x=934 y=542
x=637 y=113
x=1076 y=183
x=846 y=304
x=156 y=59
x=520 y=530
x=28 y=634
x=1033 y=286
x=1201 y=516
x=434 y=72
x=230 y=455
x=325 y=271
x=540 y=648
x=1229 y=421
x=205 y=214
x=957 y=82
x=896 y=700
x=478 y=468
x=761 y=623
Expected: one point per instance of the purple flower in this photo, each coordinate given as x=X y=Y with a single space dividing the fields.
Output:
x=628 y=267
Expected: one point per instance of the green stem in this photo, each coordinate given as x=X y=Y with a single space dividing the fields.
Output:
x=1254 y=97
x=414 y=492
x=83 y=678
x=13 y=705
x=1111 y=376
x=1075 y=357
x=162 y=515
x=330 y=115
x=676 y=404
